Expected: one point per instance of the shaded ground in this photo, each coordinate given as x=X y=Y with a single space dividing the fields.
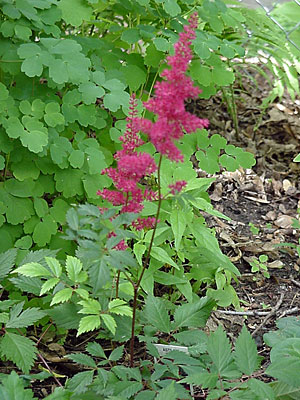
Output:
x=262 y=204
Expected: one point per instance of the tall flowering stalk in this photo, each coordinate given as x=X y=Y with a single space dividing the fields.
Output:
x=170 y=125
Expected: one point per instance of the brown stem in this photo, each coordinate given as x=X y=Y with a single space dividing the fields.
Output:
x=145 y=265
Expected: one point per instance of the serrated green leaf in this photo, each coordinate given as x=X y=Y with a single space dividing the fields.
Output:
x=12 y=387
x=62 y=296
x=48 y=285
x=80 y=381
x=261 y=390
x=26 y=318
x=95 y=349
x=109 y=322
x=157 y=315
x=33 y=269
x=18 y=349
x=193 y=314
x=245 y=353
x=73 y=268
x=88 y=323
x=119 y=307
x=116 y=354
x=54 y=265
x=83 y=359
x=7 y=260
x=218 y=347
x=168 y=393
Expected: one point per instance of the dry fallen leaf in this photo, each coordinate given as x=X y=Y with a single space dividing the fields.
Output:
x=284 y=221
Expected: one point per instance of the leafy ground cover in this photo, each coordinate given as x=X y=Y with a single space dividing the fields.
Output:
x=182 y=240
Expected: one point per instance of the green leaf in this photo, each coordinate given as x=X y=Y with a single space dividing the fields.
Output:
x=40 y=206
x=74 y=12
x=109 y=322
x=68 y=182
x=297 y=158
x=48 y=285
x=18 y=349
x=7 y=261
x=116 y=354
x=74 y=270
x=33 y=269
x=88 y=323
x=83 y=359
x=131 y=35
x=35 y=140
x=161 y=255
x=90 y=92
x=161 y=44
x=54 y=265
x=65 y=315
x=193 y=314
x=80 y=381
x=157 y=314
x=135 y=77
x=285 y=361
x=119 y=307
x=62 y=296
x=218 y=347
x=12 y=387
x=245 y=353
x=153 y=56
x=44 y=230
x=26 y=318
x=95 y=349
x=171 y=7
x=262 y=390
x=178 y=219
x=168 y=393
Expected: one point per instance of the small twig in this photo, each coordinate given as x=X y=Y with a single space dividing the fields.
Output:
x=296 y=283
x=271 y=313
x=248 y=313
x=289 y=312
x=49 y=369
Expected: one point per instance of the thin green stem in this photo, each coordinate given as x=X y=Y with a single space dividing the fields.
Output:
x=136 y=286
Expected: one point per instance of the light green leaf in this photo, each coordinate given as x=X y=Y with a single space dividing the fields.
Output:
x=161 y=255
x=139 y=249
x=54 y=265
x=62 y=296
x=18 y=349
x=245 y=353
x=90 y=306
x=44 y=230
x=109 y=322
x=157 y=314
x=32 y=270
x=48 y=285
x=73 y=268
x=40 y=206
x=74 y=12
x=35 y=140
x=88 y=323
x=171 y=7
